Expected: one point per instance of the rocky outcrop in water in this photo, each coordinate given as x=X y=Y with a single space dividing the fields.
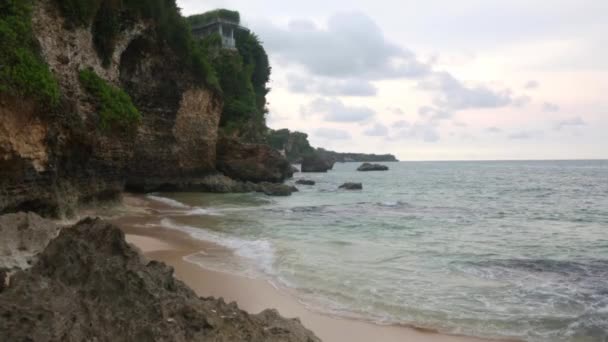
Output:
x=251 y=162
x=89 y=284
x=366 y=167
x=305 y=182
x=314 y=163
x=351 y=186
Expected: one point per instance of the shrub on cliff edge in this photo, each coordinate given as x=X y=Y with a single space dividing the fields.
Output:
x=116 y=110
x=22 y=71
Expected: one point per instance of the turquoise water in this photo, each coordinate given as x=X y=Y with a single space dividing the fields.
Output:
x=509 y=249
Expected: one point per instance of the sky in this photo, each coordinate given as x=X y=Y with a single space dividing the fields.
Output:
x=437 y=79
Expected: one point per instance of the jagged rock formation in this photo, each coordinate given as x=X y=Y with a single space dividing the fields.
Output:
x=251 y=162
x=23 y=237
x=365 y=167
x=315 y=163
x=89 y=284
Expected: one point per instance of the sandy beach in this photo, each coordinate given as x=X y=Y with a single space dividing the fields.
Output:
x=252 y=295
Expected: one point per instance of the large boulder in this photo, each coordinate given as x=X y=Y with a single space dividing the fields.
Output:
x=351 y=186
x=315 y=163
x=372 y=167
x=23 y=235
x=251 y=162
x=89 y=284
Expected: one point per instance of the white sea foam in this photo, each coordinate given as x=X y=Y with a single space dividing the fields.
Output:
x=258 y=252
x=168 y=201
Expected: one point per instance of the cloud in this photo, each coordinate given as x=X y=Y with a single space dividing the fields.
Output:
x=460 y=124
x=531 y=84
x=332 y=134
x=334 y=110
x=330 y=87
x=395 y=110
x=351 y=46
x=572 y=122
x=378 y=130
x=525 y=135
x=454 y=95
x=400 y=124
x=424 y=131
x=434 y=113
x=494 y=130
x=550 y=107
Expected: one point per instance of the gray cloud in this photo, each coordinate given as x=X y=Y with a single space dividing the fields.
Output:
x=334 y=110
x=330 y=87
x=378 y=130
x=352 y=46
x=525 y=135
x=572 y=122
x=332 y=134
x=550 y=107
x=494 y=129
x=532 y=84
x=454 y=95
x=400 y=124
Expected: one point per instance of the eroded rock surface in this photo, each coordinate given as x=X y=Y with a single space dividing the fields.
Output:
x=22 y=236
x=251 y=162
x=315 y=163
x=89 y=284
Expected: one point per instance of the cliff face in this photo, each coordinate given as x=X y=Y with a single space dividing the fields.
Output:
x=53 y=159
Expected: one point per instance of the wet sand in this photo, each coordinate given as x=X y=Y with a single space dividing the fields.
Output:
x=254 y=295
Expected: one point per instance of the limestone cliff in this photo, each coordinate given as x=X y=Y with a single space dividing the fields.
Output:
x=53 y=159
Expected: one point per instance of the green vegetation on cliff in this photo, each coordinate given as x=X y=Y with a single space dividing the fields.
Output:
x=295 y=144
x=110 y=17
x=116 y=110
x=22 y=71
x=243 y=76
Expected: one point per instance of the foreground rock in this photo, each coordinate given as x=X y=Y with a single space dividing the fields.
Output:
x=305 y=182
x=352 y=186
x=22 y=236
x=251 y=162
x=314 y=163
x=372 y=167
x=90 y=285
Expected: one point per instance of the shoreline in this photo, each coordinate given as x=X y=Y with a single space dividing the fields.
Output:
x=252 y=295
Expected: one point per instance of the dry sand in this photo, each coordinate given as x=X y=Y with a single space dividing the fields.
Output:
x=255 y=295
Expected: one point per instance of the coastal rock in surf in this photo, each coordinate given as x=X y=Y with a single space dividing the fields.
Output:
x=272 y=189
x=89 y=284
x=365 y=167
x=305 y=182
x=351 y=186
x=23 y=236
x=314 y=163
x=251 y=162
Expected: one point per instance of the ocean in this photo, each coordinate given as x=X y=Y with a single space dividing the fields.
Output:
x=515 y=249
